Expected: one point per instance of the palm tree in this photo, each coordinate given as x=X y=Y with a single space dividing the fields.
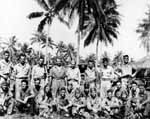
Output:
x=118 y=58
x=144 y=31
x=70 y=52
x=105 y=27
x=11 y=45
x=47 y=16
x=61 y=48
x=105 y=55
x=83 y=8
x=91 y=57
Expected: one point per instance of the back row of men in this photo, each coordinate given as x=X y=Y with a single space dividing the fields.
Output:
x=101 y=77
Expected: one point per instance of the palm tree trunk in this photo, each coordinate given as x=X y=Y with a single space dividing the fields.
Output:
x=78 y=48
x=46 y=57
x=97 y=46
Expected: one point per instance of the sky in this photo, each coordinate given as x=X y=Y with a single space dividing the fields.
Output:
x=13 y=21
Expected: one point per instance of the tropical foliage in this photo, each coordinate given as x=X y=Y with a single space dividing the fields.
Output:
x=144 y=30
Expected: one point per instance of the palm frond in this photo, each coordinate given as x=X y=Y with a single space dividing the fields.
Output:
x=43 y=4
x=35 y=15
x=91 y=36
x=41 y=25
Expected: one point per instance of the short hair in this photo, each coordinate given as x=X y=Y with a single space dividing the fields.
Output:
x=22 y=55
x=126 y=56
x=62 y=88
x=109 y=91
x=24 y=81
x=133 y=82
x=6 y=52
x=41 y=57
x=35 y=79
x=105 y=59
x=90 y=60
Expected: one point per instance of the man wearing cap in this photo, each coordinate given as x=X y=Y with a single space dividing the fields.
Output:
x=58 y=75
x=5 y=67
x=21 y=71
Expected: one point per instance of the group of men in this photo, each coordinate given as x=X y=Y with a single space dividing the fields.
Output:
x=92 y=92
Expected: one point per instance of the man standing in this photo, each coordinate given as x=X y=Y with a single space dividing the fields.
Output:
x=73 y=75
x=126 y=71
x=21 y=72
x=39 y=71
x=5 y=67
x=91 y=74
x=107 y=75
x=58 y=75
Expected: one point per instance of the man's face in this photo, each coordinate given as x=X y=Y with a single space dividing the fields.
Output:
x=90 y=65
x=77 y=93
x=105 y=63
x=118 y=85
x=93 y=92
x=6 y=56
x=134 y=86
x=37 y=82
x=70 y=86
x=41 y=61
x=23 y=85
x=126 y=60
x=58 y=62
x=63 y=93
x=22 y=59
x=109 y=95
x=73 y=64
x=4 y=87
x=142 y=89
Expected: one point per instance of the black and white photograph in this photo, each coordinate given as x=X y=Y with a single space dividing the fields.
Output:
x=74 y=59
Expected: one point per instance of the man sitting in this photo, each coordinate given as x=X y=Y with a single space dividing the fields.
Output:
x=25 y=98
x=63 y=103
x=78 y=102
x=6 y=103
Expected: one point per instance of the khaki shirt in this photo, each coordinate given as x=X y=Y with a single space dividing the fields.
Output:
x=38 y=72
x=22 y=70
x=5 y=67
x=58 y=72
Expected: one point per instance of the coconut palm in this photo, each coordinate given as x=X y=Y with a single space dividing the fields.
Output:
x=70 y=52
x=144 y=30
x=91 y=57
x=47 y=16
x=105 y=55
x=10 y=44
x=118 y=58
x=83 y=8
x=61 y=48
x=105 y=27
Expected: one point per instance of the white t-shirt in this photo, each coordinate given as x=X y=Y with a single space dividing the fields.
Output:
x=73 y=73
x=126 y=69
x=107 y=73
